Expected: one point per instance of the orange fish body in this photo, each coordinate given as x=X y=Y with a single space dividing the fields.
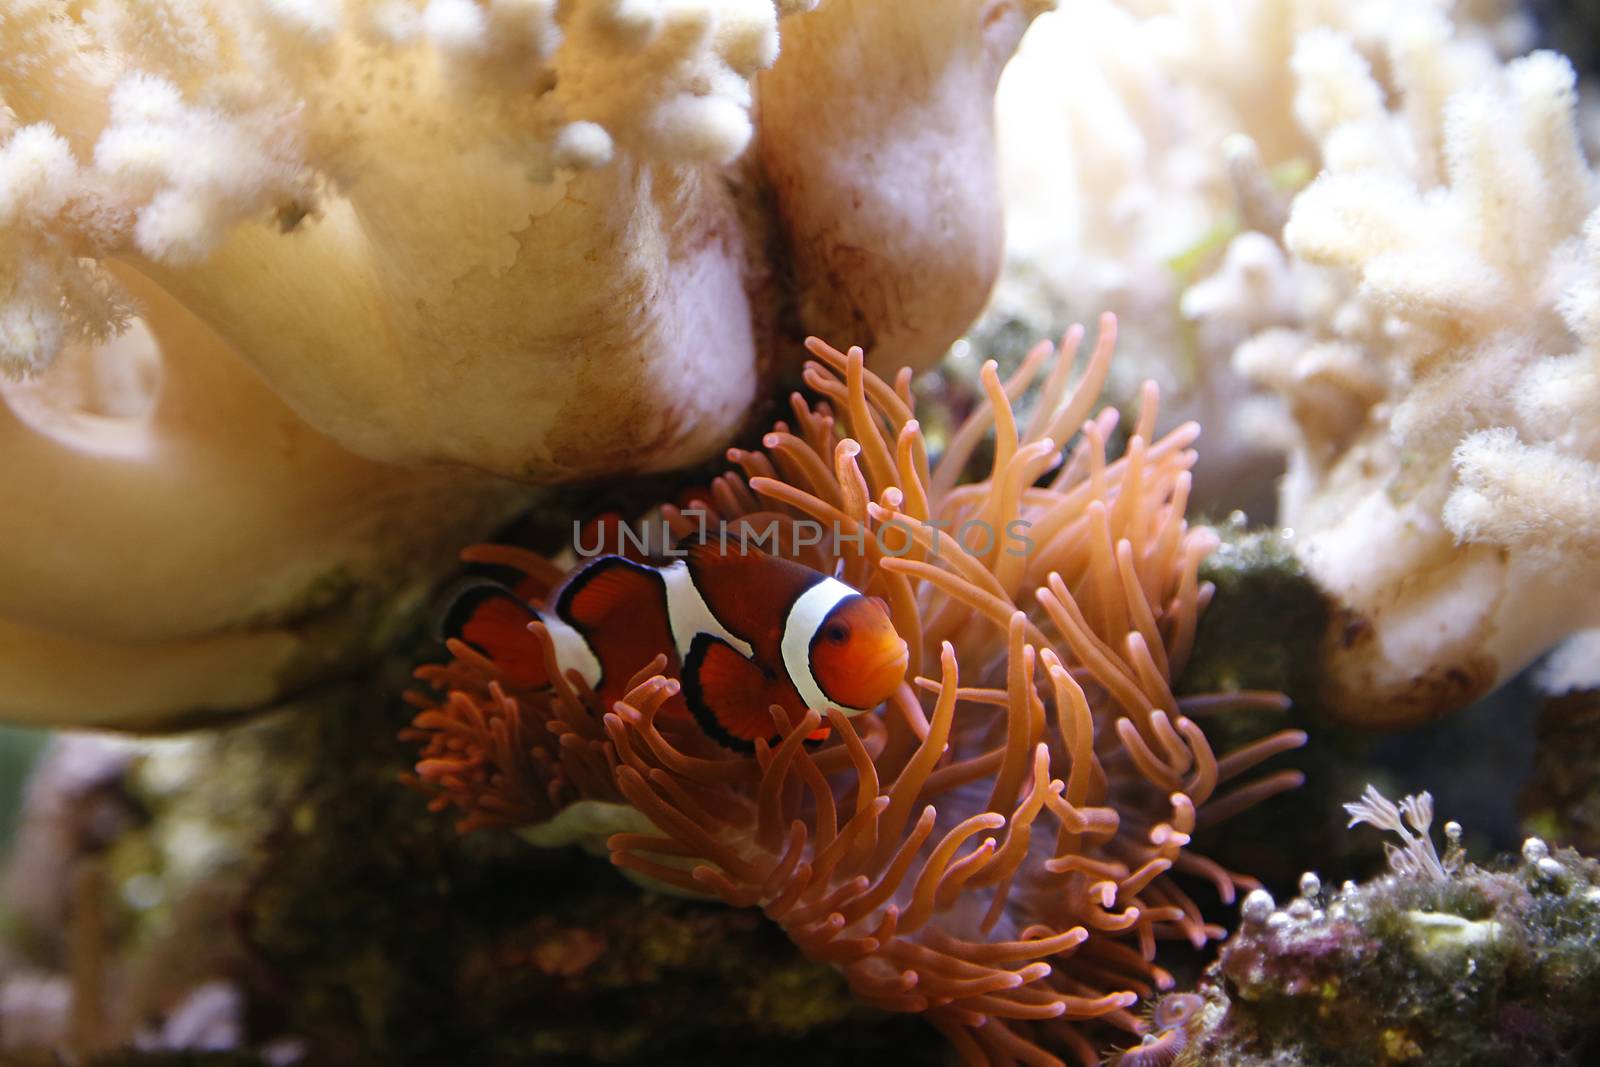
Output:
x=741 y=630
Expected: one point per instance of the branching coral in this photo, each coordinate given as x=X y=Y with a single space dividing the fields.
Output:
x=1112 y=177
x=1138 y=140
x=994 y=849
x=1447 y=479
x=1419 y=308
x=518 y=236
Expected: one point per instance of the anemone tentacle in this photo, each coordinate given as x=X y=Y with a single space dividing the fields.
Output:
x=996 y=849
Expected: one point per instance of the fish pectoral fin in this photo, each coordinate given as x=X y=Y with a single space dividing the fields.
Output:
x=729 y=694
x=494 y=620
x=606 y=588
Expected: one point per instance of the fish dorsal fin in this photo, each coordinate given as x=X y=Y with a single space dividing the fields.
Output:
x=606 y=589
x=723 y=555
x=494 y=620
x=728 y=693
x=749 y=591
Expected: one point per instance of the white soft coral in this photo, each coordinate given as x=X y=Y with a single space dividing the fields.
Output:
x=1533 y=483
x=1141 y=140
x=1423 y=319
x=1452 y=507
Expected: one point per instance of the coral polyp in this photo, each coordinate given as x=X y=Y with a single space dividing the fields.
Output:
x=996 y=848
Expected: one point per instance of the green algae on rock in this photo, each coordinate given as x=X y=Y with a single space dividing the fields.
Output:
x=1265 y=621
x=1437 y=962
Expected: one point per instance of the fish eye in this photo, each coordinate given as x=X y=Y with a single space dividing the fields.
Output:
x=836 y=632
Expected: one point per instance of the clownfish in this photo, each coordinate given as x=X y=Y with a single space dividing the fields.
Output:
x=740 y=629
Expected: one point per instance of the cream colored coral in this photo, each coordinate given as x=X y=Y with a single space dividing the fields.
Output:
x=430 y=200
x=1574 y=665
x=896 y=226
x=383 y=254
x=178 y=543
x=1139 y=139
x=438 y=244
x=1447 y=484
x=1422 y=319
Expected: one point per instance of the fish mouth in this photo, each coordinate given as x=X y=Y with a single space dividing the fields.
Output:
x=888 y=670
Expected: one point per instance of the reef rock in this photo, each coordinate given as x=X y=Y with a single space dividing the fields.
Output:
x=1439 y=961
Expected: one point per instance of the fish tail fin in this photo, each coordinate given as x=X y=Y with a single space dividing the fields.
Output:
x=493 y=619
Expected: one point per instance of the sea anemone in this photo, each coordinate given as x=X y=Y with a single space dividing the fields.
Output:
x=995 y=849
